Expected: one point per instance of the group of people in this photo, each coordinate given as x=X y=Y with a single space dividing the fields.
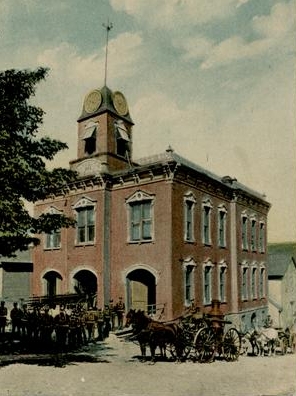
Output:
x=63 y=327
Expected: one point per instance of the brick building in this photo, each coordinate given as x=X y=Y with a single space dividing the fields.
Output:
x=161 y=232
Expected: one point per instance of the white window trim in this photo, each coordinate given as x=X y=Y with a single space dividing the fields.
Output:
x=192 y=264
x=244 y=215
x=254 y=244
x=262 y=267
x=208 y=264
x=85 y=202
x=254 y=295
x=138 y=197
x=207 y=204
x=245 y=266
x=52 y=210
x=189 y=197
x=262 y=243
x=222 y=209
x=222 y=265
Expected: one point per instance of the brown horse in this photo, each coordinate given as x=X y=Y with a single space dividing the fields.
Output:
x=150 y=332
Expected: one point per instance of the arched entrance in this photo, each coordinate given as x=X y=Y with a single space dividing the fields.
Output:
x=141 y=290
x=51 y=283
x=85 y=283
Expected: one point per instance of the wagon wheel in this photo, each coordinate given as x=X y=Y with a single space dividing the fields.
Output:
x=182 y=347
x=231 y=345
x=205 y=344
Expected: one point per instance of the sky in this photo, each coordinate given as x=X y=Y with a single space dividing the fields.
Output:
x=214 y=79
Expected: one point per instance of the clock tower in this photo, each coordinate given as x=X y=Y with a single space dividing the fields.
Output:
x=104 y=134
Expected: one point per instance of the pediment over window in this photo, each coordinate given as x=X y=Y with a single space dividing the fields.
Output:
x=140 y=196
x=188 y=262
x=53 y=210
x=222 y=208
x=189 y=196
x=208 y=263
x=207 y=202
x=84 y=202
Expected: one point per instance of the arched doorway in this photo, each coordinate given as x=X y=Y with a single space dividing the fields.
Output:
x=141 y=290
x=52 y=281
x=85 y=283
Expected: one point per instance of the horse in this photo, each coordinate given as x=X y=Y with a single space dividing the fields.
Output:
x=266 y=339
x=153 y=333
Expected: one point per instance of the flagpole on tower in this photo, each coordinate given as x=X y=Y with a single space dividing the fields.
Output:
x=108 y=27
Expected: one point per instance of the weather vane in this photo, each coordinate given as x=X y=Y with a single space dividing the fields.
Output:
x=108 y=27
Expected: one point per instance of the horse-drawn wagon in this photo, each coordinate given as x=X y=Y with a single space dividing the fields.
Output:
x=200 y=337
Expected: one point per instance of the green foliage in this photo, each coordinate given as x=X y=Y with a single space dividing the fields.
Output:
x=23 y=173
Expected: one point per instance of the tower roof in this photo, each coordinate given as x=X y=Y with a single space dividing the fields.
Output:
x=101 y=100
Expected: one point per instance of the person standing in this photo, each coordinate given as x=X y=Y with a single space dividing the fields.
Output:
x=62 y=328
x=119 y=308
x=107 y=322
x=100 y=325
x=15 y=316
x=3 y=317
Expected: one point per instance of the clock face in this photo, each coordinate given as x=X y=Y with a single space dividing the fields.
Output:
x=93 y=101
x=119 y=103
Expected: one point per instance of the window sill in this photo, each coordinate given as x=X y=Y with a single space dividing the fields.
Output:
x=140 y=242
x=84 y=244
x=191 y=241
x=48 y=249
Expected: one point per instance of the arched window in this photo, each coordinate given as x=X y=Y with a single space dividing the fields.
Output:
x=52 y=280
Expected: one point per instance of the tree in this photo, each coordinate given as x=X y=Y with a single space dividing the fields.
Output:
x=23 y=173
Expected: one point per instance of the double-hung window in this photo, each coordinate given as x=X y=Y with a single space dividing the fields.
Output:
x=261 y=237
x=244 y=283
x=141 y=221
x=222 y=282
x=85 y=225
x=207 y=283
x=222 y=226
x=253 y=235
x=206 y=222
x=53 y=240
x=244 y=230
x=188 y=269
x=140 y=217
x=262 y=282
x=254 y=282
x=85 y=221
x=189 y=204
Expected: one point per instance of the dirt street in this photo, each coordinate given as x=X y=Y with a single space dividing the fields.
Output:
x=121 y=374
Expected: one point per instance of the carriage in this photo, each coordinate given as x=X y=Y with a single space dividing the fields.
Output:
x=205 y=338
x=196 y=336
